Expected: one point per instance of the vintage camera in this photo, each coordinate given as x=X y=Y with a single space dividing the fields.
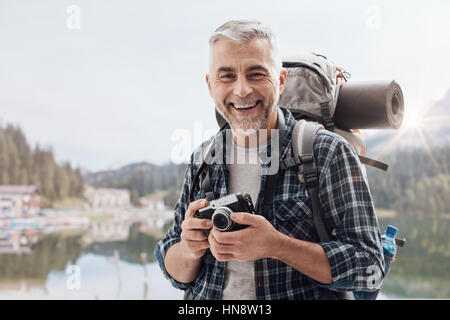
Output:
x=219 y=211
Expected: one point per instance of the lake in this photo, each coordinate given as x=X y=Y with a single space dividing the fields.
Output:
x=61 y=265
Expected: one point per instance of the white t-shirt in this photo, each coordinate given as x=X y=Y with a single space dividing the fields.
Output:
x=244 y=177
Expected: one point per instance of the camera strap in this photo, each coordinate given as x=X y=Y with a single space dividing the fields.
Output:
x=271 y=180
x=202 y=174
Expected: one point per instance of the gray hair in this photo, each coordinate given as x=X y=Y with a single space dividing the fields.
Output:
x=240 y=31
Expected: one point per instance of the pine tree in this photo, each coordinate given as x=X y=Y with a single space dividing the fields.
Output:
x=4 y=159
x=20 y=164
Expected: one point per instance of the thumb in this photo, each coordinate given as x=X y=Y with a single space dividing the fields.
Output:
x=244 y=218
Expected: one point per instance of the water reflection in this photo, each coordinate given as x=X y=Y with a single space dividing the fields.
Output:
x=122 y=265
x=109 y=269
x=130 y=250
x=51 y=253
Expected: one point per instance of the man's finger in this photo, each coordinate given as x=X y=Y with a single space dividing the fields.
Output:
x=195 y=206
x=224 y=248
x=192 y=235
x=196 y=223
x=197 y=245
x=245 y=218
x=225 y=237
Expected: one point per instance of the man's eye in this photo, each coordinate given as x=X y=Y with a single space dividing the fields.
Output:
x=227 y=76
x=256 y=75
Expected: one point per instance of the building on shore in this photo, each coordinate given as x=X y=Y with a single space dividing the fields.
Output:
x=19 y=201
x=108 y=198
x=154 y=205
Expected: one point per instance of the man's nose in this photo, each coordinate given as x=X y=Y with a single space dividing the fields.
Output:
x=242 y=87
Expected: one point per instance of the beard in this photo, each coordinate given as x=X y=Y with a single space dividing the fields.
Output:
x=249 y=124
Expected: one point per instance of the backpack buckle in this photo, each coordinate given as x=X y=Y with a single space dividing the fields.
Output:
x=310 y=177
x=295 y=161
x=309 y=171
x=329 y=123
x=288 y=163
x=306 y=158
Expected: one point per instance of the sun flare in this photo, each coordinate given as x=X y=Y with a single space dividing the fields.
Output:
x=413 y=121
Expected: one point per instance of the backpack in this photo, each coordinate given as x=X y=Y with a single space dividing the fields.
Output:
x=311 y=94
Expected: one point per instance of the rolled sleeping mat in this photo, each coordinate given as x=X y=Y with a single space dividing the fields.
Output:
x=369 y=105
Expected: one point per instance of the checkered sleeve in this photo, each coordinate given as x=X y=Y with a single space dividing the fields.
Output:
x=174 y=233
x=355 y=254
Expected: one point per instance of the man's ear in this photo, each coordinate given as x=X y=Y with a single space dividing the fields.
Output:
x=283 y=76
x=208 y=83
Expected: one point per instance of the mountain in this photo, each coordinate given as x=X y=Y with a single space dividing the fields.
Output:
x=417 y=180
x=405 y=150
x=140 y=178
x=22 y=164
x=430 y=128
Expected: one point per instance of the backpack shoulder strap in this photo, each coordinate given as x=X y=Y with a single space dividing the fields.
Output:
x=302 y=143
x=303 y=137
x=203 y=173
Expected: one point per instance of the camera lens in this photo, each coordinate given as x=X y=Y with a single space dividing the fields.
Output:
x=221 y=218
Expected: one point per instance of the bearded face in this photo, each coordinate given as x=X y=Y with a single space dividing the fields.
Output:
x=243 y=85
x=250 y=114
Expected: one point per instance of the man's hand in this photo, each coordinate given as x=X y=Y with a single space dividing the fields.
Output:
x=257 y=241
x=193 y=237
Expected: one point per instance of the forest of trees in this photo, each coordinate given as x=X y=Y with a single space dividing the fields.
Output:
x=417 y=182
x=141 y=179
x=20 y=164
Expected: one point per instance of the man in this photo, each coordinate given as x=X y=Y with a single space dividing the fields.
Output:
x=279 y=255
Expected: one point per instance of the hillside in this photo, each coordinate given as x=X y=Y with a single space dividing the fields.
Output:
x=140 y=178
x=417 y=182
x=20 y=164
x=418 y=157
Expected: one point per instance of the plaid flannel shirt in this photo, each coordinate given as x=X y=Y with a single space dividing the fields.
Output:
x=355 y=254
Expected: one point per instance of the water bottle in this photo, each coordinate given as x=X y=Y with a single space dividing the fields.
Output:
x=389 y=246
x=389 y=250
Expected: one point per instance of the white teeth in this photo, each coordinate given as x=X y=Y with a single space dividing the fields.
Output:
x=244 y=106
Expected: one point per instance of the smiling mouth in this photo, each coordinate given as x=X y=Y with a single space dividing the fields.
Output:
x=244 y=107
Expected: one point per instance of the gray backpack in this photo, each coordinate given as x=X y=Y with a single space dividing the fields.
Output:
x=311 y=94
x=312 y=89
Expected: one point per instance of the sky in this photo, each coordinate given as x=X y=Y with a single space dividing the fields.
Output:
x=106 y=83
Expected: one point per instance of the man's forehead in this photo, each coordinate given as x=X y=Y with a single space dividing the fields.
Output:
x=254 y=52
x=237 y=46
